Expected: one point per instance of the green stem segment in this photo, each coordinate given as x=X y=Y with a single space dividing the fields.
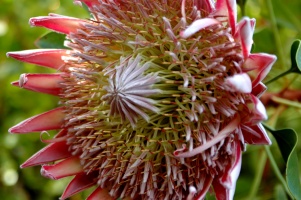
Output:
x=242 y=7
x=274 y=164
x=279 y=76
x=258 y=176
x=276 y=170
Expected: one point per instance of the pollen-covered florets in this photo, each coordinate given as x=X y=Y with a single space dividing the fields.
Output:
x=157 y=99
x=140 y=95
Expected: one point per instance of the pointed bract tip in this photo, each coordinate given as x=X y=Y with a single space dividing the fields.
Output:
x=239 y=83
x=51 y=120
x=45 y=173
x=77 y=3
x=15 y=54
x=197 y=26
x=192 y=192
x=53 y=152
x=261 y=110
x=100 y=193
x=68 y=167
x=8 y=54
x=51 y=58
x=79 y=183
x=15 y=83
x=60 y=24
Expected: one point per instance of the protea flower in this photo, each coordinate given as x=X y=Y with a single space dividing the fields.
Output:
x=157 y=98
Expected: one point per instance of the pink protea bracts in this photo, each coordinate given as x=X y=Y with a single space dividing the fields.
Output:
x=158 y=98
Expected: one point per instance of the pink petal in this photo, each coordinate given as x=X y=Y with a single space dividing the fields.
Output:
x=45 y=83
x=100 y=194
x=197 y=26
x=232 y=13
x=206 y=5
x=259 y=111
x=259 y=89
x=51 y=58
x=15 y=83
x=221 y=193
x=261 y=64
x=245 y=30
x=192 y=192
x=225 y=186
x=241 y=23
x=232 y=171
x=79 y=183
x=228 y=9
x=68 y=167
x=89 y=3
x=256 y=135
x=61 y=24
x=239 y=83
x=221 y=8
x=51 y=120
x=206 y=185
x=62 y=133
x=50 y=153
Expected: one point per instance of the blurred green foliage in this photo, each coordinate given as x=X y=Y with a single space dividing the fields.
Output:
x=275 y=32
x=17 y=104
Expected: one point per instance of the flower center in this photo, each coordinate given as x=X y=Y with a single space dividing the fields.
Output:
x=138 y=93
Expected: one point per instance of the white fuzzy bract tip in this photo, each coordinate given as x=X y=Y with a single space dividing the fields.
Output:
x=239 y=83
x=197 y=26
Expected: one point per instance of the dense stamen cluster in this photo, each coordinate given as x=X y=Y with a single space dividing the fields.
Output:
x=131 y=119
x=158 y=98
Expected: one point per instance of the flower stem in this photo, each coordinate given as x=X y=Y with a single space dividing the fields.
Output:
x=274 y=164
x=276 y=170
x=242 y=7
x=255 y=185
x=277 y=77
x=286 y=102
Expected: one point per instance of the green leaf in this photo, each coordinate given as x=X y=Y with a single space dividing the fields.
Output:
x=296 y=56
x=287 y=141
x=295 y=60
x=51 y=40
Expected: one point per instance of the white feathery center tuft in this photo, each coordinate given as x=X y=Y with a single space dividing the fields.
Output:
x=129 y=88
